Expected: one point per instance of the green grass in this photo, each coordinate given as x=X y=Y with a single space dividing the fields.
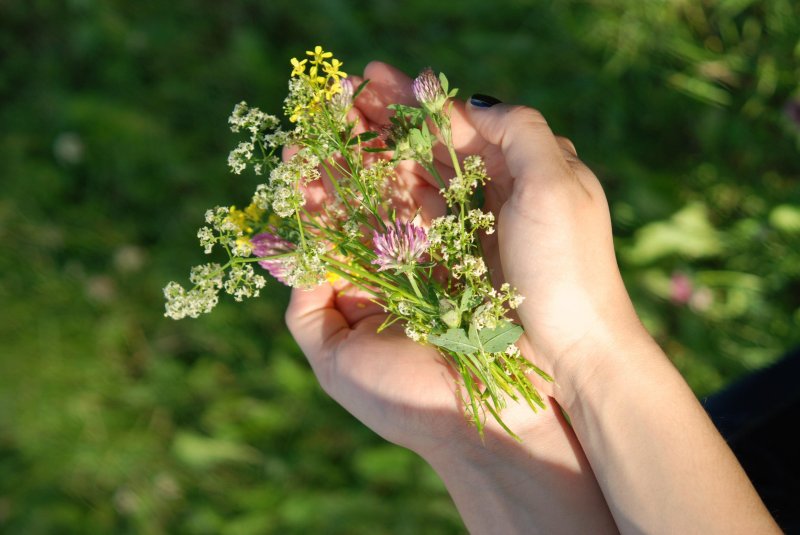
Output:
x=114 y=141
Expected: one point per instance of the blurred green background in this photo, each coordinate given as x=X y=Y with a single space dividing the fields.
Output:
x=113 y=141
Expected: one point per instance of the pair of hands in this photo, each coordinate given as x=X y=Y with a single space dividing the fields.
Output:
x=553 y=243
x=658 y=459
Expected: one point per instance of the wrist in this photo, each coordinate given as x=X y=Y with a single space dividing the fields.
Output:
x=603 y=353
x=542 y=485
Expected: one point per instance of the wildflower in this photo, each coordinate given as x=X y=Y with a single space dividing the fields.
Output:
x=472 y=267
x=298 y=67
x=319 y=55
x=266 y=244
x=463 y=186
x=243 y=282
x=240 y=157
x=332 y=69
x=481 y=220
x=401 y=247
x=680 y=288
x=343 y=98
x=207 y=239
x=306 y=268
x=429 y=92
x=207 y=280
x=415 y=334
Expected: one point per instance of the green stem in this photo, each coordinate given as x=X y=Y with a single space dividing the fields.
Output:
x=413 y=280
x=372 y=278
x=300 y=228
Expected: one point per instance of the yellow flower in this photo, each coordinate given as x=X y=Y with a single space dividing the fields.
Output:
x=334 y=88
x=319 y=55
x=332 y=277
x=244 y=242
x=253 y=212
x=237 y=217
x=297 y=113
x=299 y=66
x=332 y=69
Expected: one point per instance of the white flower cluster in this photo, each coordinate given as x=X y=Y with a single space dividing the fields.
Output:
x=470 y=267
x=223 y=231
x=244 y=282
x=257 y=123
x=240 y=157
x=352 y=229
x=254 y=120
x=207 y=280
x=415 y=334
x=462 y=186
x=479 y=219
x=447 y=237
x=282 y=192
x=306 y=269
x=488 y=314
x=375 y=178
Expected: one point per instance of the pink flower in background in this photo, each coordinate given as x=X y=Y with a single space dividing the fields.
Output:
x=680 y=288
x=400 y=247
x=266 y=244
x=792 y=111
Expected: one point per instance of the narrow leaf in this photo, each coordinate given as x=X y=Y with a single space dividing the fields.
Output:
x=360 y=88
x=362 y=138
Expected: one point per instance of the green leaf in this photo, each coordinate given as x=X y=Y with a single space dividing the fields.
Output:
x=466 y=299
x=362 y=138
x=360 y=88
x=498 y=339
x=449 y=313
x=375 y=149
x=444 y=82
x=474 y=337
x=455 y=340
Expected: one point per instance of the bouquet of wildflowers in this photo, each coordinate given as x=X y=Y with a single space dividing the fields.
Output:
x=430 y=277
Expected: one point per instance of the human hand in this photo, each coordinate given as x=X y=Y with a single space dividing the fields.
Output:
x=407 y=393
x=553 y=241
x=403 y=390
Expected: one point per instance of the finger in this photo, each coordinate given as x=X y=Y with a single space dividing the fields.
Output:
x=532 y=153
x=387 y=85
x=567 y=146
x=317 y=326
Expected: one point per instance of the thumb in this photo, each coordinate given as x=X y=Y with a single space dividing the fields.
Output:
x=317 y=326
x=529 y=147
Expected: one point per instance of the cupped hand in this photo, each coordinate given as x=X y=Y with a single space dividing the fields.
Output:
x=409 y=394
x=404 y=391
x=553 y=242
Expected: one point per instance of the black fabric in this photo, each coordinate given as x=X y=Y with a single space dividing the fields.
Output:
x=759 y=417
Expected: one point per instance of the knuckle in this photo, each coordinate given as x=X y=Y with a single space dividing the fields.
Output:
x=526 y=116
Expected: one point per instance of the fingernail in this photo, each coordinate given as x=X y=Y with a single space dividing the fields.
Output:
x=483 y=101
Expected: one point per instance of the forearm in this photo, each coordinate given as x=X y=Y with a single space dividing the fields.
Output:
x=662 y=465
x=501 y=486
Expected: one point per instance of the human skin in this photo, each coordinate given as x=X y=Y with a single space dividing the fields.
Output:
x=641 y=455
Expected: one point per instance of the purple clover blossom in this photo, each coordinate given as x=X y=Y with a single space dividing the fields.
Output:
x=400 y=247
x=266 y=244
x=428 y=89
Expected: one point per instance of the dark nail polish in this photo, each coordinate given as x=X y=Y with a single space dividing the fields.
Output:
x=483 y=101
